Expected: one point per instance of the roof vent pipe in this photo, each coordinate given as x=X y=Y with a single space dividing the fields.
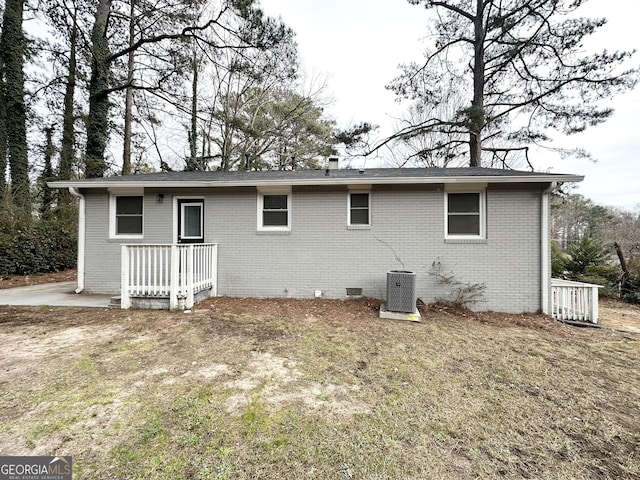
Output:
x=333 y=163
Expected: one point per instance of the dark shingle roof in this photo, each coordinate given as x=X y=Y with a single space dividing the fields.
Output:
x=318 y=177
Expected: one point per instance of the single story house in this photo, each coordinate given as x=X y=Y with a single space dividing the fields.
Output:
x=316 y=233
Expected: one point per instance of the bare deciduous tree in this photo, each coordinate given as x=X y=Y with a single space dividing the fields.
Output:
x=174 y=28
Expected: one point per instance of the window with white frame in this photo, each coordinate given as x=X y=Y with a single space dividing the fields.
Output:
x=359 y=209
x=127 y=215
x=190 y=221
x=465 y=212
x=274 y=210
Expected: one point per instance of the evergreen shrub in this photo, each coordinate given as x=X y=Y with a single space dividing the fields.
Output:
x=30 y=245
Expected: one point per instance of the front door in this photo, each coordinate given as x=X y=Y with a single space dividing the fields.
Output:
x=190 y=221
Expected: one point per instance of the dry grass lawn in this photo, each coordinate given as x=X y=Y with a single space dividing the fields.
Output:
x=241 y=389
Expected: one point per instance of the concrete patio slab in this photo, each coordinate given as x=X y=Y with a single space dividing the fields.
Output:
x=54 y=294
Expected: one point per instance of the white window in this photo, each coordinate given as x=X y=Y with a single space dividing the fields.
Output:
x=359 y=209
x=191 y=219
x=274 y=210
x=126 y=219
x=465 y=215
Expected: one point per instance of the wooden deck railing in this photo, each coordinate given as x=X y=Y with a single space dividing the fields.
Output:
x=574 y=300
x=176 y=272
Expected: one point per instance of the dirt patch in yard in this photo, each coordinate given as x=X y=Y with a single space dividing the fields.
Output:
x=617 y=314
x=306 y=310
x=613 y=313
x=533 y=321
x=13 y=281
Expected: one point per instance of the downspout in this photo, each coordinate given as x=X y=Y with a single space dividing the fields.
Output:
x=544 y=247
x=81 y=232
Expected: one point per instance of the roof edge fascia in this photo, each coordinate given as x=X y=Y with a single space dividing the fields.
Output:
x=106 y=183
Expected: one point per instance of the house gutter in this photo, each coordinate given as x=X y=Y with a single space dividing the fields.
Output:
x=545 y=246
x=81 y=233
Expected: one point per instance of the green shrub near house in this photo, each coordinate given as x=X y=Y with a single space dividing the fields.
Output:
x=30 y=245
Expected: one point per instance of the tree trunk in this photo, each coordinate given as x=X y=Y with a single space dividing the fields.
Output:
x=128 y=103
x=192 y=163
x=624 y=280
x=47 y=175
x=476 y=113
x=98 y=120
x=12 y=51
x=3 y=139
x=67 y=152
x=226 y=146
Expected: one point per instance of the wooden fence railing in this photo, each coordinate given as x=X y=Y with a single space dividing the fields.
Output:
x=176 y=272
x=574 y=300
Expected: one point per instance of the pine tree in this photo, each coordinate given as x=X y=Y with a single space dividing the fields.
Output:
x=520 y=58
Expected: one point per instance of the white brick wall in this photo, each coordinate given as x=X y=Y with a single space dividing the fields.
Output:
x=320 y=253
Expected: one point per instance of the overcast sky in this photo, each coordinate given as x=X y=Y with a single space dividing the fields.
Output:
x=358 y=44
